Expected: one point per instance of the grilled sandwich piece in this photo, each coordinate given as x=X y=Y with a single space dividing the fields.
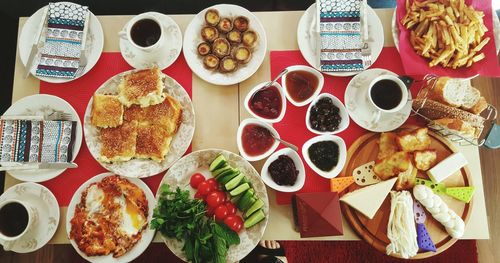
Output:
x=106 y=112
x=118 y=144
x=387 y=145
x=392 y=165
x=153 y=142
x=424 y=160
x=144 y=87
x=417 y=140
x=167 y=114
x=406 y=180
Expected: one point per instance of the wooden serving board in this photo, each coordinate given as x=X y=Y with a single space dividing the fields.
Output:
x=374 y=231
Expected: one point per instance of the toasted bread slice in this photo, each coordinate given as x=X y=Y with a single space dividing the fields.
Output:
x=118 y=144
x=424 y=160
x=417 y=140
x=153 y=142
x=387 y=145
x=406 y=180
x=144 y=87
x=167 y=114
x=106 y=111
x=392 y=165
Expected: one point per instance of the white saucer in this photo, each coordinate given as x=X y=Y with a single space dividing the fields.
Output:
x=38 y=105
x=166 y=54
x=45 y=202
x=307 y=37
x=93 y=46
x=361 y=111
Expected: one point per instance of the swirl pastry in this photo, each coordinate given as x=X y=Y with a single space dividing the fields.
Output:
x=453 y=224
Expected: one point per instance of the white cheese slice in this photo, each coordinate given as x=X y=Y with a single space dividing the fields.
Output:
x=368 y=200
x=447 y=167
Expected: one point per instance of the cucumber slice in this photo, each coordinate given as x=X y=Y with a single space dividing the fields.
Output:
x=240 y=189
x=255 y=206
x=254 y=219
x=227 y=172
x=226 y=178
x=218 y=162
x=221 y=170
x=234 y=182
x=245 y=206
x=245 y=199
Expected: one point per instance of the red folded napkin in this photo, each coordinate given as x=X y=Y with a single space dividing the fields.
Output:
x=78 y=93
x=415 y=64
x=293 y=127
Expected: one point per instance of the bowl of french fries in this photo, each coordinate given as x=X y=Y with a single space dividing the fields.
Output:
x=448 y=33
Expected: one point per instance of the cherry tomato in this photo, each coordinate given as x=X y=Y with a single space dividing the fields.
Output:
x=231 y=208
x=221 y=212
x=234 y=222
x=210 y=211
x=196 y=179
x=204 y=188
x=215 y=198
x=213 y=183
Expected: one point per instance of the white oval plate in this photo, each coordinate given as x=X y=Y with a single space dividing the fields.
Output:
x=361 y=111
x=283 y=102
x=147 y=234
x=192 y=38
x=307 y=38
x=166 y=55
x=344 y=117
x=38 y=105
x=45 y=202
x=180 y=173
x=239 y=140
x=139 y=167
x=93 y=45
x=299 y=165
x=342 y=154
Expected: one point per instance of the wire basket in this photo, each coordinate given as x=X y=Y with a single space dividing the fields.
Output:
x=489 y=115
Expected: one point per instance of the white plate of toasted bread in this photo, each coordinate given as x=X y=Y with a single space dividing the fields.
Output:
x=139 y=122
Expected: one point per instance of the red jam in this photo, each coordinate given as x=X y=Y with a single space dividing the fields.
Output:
x=256 y=139
x=301 y=84
x=266 y=103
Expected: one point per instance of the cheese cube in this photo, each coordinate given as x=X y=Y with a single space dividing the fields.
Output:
x=447 y=167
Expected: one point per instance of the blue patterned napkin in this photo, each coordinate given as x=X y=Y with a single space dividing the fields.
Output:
x=60 y=55
x=25 y=141
x=341 y=35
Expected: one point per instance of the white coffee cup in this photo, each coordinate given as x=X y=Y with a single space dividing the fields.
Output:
x=126 y=33
x=404 y=96
x=10 y=241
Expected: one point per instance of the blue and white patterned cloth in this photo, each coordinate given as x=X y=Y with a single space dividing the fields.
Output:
x=341 y=35
x=25 y=141
x=60 y=55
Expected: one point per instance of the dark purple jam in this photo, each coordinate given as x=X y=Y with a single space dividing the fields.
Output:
x=266 y=103
x=283 y=171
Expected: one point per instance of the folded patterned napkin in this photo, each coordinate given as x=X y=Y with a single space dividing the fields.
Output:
x=341 y=35
x=60 y=55
x=25 y=141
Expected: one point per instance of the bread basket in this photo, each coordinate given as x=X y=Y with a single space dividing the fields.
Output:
x=482 y=128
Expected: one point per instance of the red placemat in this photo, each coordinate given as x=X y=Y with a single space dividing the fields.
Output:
x=293 y=128
x=78 y=93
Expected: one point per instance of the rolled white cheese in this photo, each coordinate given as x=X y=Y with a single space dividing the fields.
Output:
x=453 y=224
x=447 y=167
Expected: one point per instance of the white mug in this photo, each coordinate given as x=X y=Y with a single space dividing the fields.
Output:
x=10 y=241
x=402 y=103
x=126 y=34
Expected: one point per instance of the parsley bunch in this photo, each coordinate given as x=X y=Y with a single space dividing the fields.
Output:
x=179 y=216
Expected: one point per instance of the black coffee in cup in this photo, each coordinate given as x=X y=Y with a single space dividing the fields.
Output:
x=13 y=219
x=386 y=94
x=145 y=32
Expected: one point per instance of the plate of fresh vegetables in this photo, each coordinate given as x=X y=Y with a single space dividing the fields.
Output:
x=212 y=207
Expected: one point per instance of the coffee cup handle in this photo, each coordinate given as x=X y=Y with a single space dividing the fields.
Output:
x=376 y=116
x=123 y=35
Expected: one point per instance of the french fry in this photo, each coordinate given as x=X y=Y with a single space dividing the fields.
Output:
x=482 y=44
